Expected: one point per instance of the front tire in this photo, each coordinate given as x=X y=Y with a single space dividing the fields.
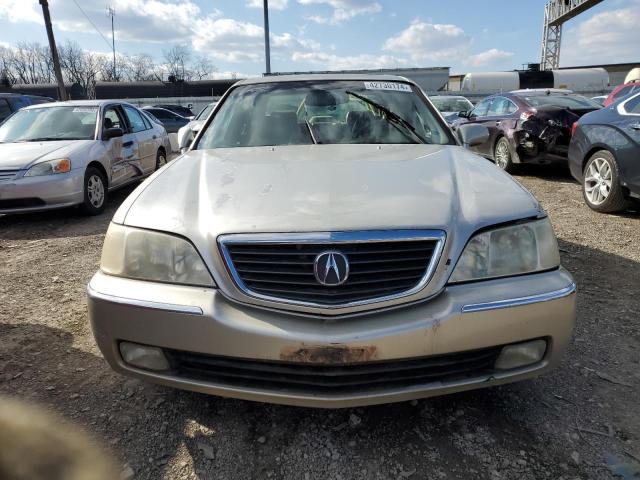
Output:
x=502 y=155
x=95 y=192
x=601 y=187
x=161 y=159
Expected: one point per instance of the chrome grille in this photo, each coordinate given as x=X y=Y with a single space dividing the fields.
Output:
x=382 y=266
x=6 y=175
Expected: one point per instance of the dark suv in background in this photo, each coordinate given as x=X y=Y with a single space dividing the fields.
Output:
x=12 y=102
x=528 y=126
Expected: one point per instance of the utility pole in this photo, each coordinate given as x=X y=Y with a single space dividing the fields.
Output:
x=267 y=51
x=112 y=13
x=62 y=93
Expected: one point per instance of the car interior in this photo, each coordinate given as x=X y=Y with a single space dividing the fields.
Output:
x=306 y=116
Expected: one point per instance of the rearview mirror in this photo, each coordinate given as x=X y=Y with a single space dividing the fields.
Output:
x=110 y=133
x=471 y=135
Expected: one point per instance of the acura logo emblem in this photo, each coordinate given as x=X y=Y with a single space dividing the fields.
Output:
x=331 y=268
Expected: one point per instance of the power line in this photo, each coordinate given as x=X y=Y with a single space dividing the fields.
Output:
x=92 y=24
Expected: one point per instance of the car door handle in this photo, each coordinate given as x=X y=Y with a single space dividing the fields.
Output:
x=635 y=126
x=127 y=144
x=155 y=136
x=498 y=123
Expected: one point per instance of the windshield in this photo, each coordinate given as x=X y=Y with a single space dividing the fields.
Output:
x=444 y=104
x=204 y=113
x=323 y=112
x=50 y=123
x=564 y=101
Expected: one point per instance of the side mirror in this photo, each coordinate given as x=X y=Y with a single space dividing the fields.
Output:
x=187 y=138
x=110 y=133
x=471 y=135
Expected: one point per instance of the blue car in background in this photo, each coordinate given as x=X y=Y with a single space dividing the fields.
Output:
x=604 y=155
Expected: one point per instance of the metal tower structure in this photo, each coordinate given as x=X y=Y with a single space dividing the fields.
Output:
x=556 y=13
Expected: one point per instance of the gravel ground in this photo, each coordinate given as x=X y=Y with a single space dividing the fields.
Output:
x=581 y=421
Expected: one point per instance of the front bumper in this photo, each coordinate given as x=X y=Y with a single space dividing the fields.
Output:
x=31 y=194
x=462 y=318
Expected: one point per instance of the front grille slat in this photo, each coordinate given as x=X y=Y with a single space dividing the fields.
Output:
x=284 y=270
x=333 y=378
x=335 y=292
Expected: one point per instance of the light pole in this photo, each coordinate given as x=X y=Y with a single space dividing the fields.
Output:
x=267 y=52
x=112 y=13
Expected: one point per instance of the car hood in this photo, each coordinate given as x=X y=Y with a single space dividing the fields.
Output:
x=326 y=188
x=20 y=155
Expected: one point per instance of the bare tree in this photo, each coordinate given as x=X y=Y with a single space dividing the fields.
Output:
x=105 y=65
x=7 y=75
x=139 y=67
x=202 y=67
x=176 y=60
x=31 y=63
x=80 y=66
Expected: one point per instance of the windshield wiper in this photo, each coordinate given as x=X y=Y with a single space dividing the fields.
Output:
x=313 y=137
x=391 y=116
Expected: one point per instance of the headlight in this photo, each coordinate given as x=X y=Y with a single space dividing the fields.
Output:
x=513 y=250
x=147 y=255
x=62 y=165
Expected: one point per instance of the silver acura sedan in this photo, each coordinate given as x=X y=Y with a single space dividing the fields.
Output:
x=73 y=153
x=326 y=241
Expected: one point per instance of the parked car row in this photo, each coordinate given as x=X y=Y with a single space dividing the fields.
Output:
x=525 y=126
x=601 y=145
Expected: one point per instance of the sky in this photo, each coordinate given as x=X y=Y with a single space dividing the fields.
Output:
x=466 y=35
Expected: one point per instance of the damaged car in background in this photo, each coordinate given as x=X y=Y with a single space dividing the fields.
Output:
x=528 y=126
x=326 y=241
x=64 y=154
x=604 y=156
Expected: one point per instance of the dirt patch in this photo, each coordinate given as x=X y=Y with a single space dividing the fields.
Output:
x=581 y=421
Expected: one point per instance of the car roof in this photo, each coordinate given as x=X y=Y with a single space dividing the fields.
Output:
x=79 y=103
x=155 y=107
x=542 y=91
x=448 y=96
x=323 y=77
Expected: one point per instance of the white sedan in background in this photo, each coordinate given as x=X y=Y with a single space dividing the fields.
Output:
x=187 y=133
x=73 y=153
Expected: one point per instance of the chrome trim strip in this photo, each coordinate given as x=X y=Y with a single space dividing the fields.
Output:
x=518 y=302
x=622 y=108
x=131 y=302
x=334 y=238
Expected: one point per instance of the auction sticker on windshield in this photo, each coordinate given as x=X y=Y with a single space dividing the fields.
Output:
x=394 y=86
x=85 y=110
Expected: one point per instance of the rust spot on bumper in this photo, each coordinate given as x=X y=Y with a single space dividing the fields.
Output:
x=332 y=354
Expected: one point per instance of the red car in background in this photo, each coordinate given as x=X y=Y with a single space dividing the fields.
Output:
x=622 y=91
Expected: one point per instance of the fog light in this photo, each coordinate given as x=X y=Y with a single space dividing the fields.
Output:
x=149 y=358
x=521 y=354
